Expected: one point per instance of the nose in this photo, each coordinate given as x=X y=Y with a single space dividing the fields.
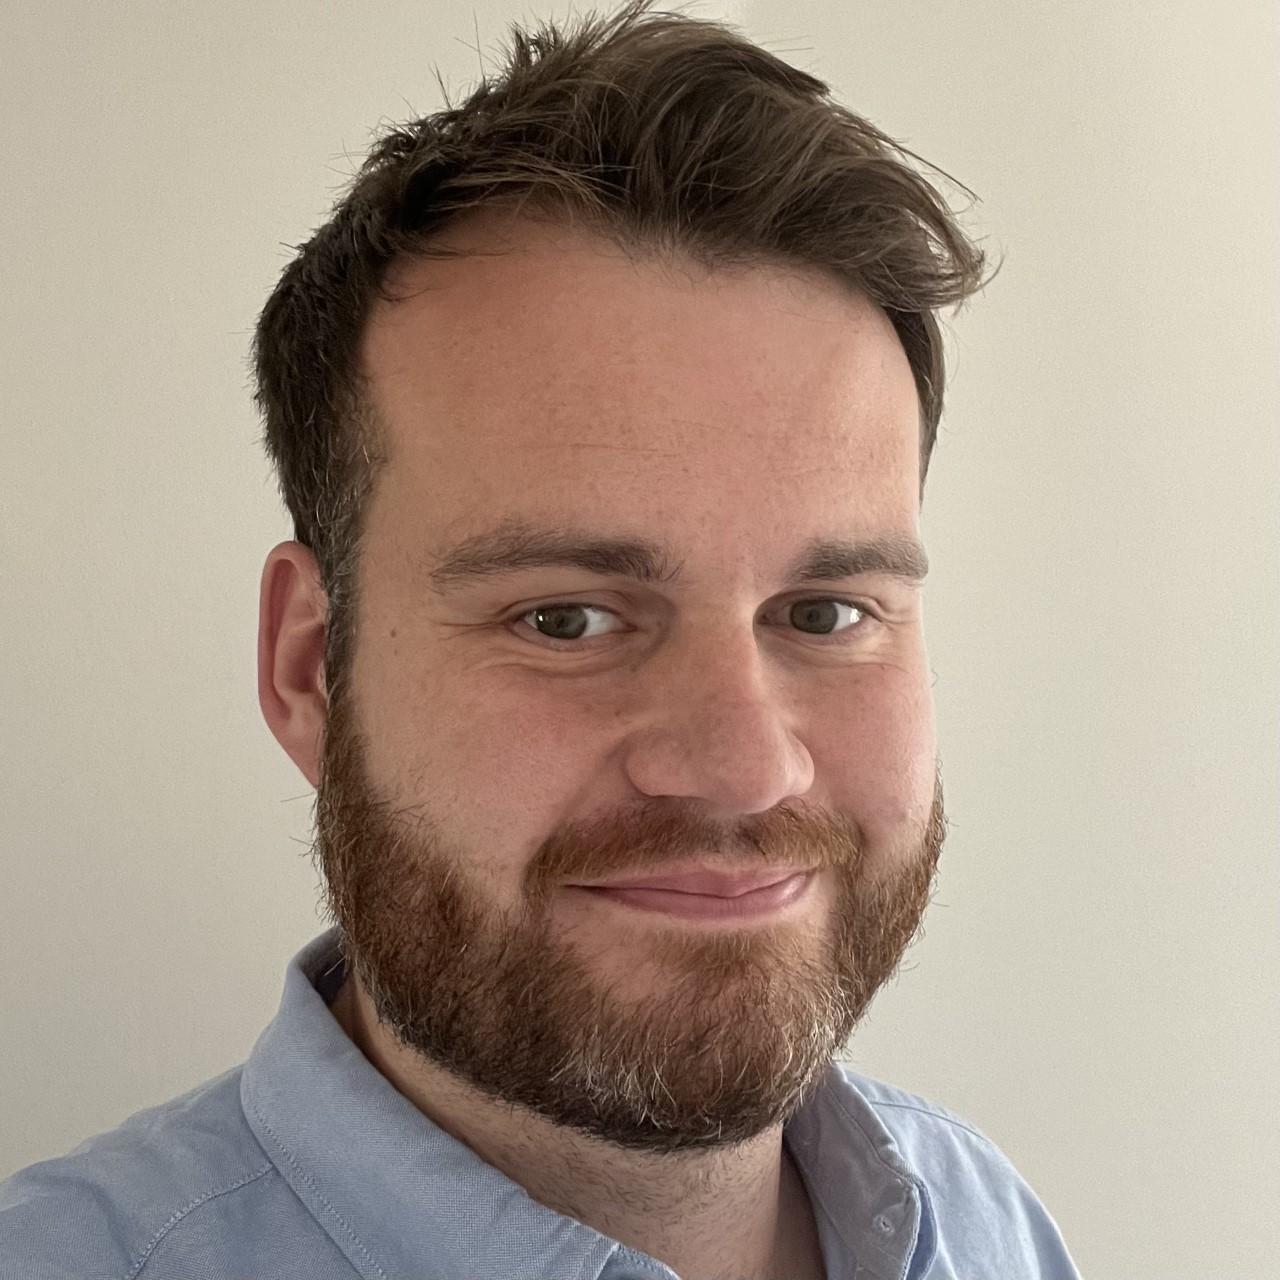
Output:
x=717 y=726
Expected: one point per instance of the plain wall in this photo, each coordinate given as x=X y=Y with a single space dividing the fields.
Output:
x=1096 y=987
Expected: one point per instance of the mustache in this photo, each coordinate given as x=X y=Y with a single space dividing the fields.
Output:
x=653 y=835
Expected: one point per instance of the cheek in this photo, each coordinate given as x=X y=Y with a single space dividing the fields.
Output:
x=495 y=769
x=523 y=745
x=874 y=747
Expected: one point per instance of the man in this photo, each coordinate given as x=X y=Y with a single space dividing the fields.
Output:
x=603 y=407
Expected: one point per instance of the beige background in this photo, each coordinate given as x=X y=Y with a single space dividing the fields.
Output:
x=1097 y=987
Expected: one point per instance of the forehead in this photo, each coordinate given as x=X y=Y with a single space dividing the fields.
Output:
x=557 y=377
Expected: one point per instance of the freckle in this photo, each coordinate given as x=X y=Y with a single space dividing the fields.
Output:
x=393 y=633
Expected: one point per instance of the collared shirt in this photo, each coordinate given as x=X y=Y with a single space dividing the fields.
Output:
x=305 y=1163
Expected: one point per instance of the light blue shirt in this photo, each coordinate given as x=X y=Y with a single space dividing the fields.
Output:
x=304 y=1163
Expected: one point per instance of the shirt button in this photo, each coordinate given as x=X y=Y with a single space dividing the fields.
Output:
x=883 y=1224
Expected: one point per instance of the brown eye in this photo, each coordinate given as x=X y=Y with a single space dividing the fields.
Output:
x=559 y=621
x=823 y=617
x=564 y=622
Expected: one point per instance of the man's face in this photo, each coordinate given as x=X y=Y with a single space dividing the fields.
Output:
x=510 y=735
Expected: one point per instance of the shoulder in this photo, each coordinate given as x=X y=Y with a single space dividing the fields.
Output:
x=982 y=1207
x=117 y=1206
x=916 y=1119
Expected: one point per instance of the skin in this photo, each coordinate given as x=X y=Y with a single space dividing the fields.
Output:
x=629 y=1069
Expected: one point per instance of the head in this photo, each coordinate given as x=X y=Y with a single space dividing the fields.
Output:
x=603 y=406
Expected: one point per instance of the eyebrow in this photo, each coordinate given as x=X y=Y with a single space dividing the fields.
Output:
x=515 y=546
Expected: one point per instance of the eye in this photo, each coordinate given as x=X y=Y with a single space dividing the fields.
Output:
x=564 y=623
x=822 y=617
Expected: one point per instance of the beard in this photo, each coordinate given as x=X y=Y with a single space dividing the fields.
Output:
x=735 y=1027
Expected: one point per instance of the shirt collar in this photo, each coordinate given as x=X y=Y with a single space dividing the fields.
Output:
x=401 y=1197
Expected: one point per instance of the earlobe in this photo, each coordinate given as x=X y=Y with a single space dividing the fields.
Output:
x=292 y=613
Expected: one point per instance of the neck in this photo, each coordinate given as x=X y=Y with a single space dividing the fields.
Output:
x=739 y=1213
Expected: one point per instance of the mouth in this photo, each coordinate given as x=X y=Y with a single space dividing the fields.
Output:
x=763 y=901
x=716 y=882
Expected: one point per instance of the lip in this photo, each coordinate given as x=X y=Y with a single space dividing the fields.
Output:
x=705 y=881
x=764 y=901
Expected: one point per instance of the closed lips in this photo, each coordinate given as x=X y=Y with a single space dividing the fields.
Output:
x=709 y=883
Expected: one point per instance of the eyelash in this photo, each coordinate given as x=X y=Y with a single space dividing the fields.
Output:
x=549 y=642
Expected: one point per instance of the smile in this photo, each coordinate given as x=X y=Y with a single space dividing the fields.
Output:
x=757 y=903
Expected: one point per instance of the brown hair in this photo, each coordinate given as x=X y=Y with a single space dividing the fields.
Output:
x=667 y=135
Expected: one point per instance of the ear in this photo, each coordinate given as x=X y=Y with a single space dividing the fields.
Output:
x=292 y=612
